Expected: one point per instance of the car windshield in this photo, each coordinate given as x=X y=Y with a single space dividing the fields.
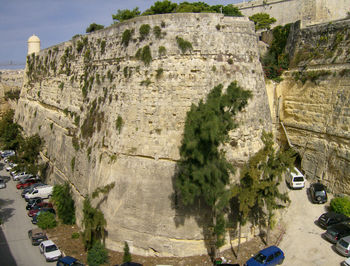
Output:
x=343 y=243
x=298 y=179
x=260 y=258
x=320 y=193
x=51 y=248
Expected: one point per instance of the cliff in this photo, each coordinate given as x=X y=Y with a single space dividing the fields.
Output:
x=314 y=102
x=111 y=107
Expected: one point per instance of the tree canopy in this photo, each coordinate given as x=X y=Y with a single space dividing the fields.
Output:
x=166 y=6
x=203 y=170
x=94 y=27
x=262 y=21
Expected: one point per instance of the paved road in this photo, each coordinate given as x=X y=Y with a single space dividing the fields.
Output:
x=302 y=242
x=15 y=247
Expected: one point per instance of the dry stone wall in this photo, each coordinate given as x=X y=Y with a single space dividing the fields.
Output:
x=10 y=81
x=113 y=108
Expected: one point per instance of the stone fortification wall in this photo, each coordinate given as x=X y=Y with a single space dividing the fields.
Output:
x=307 y=11
x=10 y=80
x=108 y=116
x=314 y=102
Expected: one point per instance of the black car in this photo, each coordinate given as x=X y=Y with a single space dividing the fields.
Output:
x=318 y=193
x=330 y=218
x=32 y=202
x=37 y=236
x=337 y=231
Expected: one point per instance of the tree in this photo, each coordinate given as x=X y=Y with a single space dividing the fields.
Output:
x=259 y=182
x=262 y=21
x=97 y=255
x=127 y=255
x=46 y=220
x=203 y=169
x=64 y=203
x=161 y=7
x=125 y=14
x=94 y=27
x=10 y=132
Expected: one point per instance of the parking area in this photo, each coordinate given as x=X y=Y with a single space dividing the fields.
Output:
x=15 y=247
x=303 y=243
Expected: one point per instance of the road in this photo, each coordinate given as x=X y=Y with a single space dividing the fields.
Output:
x=302 y=242
x=15 y=247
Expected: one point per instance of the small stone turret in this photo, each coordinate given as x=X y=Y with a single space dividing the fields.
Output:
x=33 y=44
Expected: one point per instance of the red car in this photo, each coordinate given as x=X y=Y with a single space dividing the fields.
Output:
x=26 y=183
x=38 y=207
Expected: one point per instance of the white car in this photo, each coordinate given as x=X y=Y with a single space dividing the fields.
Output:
x=11 y=165
x=50 y=250
x=295 y=178
x=19 y=176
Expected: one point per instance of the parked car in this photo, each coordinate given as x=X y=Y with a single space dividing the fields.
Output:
x=343 y=246
x=330 y=218
x=2 y=183
x=37 y=236
x=295 y=179
x=38 y=207
x=11 y=166
x=132 y=264
x=69 y=261
x=26 y=183
x=269 y=256
x=50 y=250
x=318 y=193
x=18 y=176
x=28 y=189
x=337 y=231
x=35 y=217
x=346 y=262
x=43 y=192
x=7 y=153
x=32 y=202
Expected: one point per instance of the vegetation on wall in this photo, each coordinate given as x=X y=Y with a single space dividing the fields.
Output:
x=183 y=44
x=12 y=95
x=93 y=27
x=276 y=59
x=144 y=54
x=312 y=76
x=126 y=37
x=119 y=123
x=204 y=172
x=144 y=31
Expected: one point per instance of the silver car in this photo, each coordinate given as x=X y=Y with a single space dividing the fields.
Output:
x=343 y=246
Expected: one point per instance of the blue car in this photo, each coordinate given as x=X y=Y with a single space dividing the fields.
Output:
x=69 y=261
x=269 y=256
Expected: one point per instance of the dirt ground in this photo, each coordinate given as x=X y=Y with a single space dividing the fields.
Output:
x=62 y=236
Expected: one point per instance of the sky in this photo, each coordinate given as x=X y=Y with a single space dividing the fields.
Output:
x=57 y=21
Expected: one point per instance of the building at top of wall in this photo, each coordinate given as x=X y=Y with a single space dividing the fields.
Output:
x=307 y=11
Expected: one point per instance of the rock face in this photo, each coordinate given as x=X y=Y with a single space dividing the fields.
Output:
x=10 y=81
x=315 y=102
x=111 y=106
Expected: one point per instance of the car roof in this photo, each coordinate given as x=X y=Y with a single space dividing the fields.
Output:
x=269 y=250
x=346 y=238
x=334 y=214
x=295 y=172
x=37 y=231
x=68 y=259
x=47 y=243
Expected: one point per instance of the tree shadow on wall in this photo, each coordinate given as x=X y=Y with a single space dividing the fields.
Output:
x=199 y=211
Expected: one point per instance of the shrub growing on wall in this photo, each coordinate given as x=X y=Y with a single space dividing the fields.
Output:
x=144 y=31
x=183 y=44
x=126 y=37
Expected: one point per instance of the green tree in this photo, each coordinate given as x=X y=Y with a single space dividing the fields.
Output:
x=341 y=205
x=46 y=220
x=94 y=27
x=97 y=255
x=64 y=203
x=125 y=14
x=203 y=169
x=10 y=132
x=262 y=21
x=127 y=255
x=160 y=7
